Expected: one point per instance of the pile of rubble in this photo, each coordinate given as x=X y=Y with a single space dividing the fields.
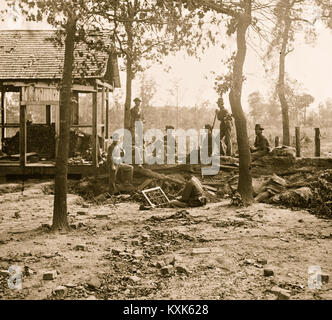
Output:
x=313 y=192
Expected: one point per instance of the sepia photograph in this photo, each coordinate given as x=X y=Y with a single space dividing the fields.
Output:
x=165 y=151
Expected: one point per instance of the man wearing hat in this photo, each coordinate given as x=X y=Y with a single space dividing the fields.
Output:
x=261 y=145
x=226 y=124
x=135 y=115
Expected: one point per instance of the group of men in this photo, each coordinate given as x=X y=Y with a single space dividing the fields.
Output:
x=192 y=193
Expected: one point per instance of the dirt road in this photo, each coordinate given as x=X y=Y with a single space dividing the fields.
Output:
x=119 y=252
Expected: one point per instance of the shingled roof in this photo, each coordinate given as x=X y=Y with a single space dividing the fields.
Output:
x=30 y=54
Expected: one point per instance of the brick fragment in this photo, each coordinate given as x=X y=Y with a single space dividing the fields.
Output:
x=50 y=275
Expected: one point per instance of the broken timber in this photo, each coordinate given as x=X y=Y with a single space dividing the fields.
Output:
x=151 y=174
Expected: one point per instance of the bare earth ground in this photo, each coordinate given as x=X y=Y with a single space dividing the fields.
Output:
x=290 y=241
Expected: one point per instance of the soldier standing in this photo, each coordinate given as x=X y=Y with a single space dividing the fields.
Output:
x=115 y=165
x=135 y=115
x=226 y=124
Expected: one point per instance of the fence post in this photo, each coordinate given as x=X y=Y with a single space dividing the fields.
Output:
x=276 y=141
x=297 y=141
x=317 y=142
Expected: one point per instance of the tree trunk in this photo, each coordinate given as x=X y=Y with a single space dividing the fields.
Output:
x=281 y=81
x=128 y=94
x=245 y=179
x=129 y=74
x=60 y=221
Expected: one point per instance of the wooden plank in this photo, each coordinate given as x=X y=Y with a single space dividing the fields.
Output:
x=82 y=88
x=37 y=84
x=94 y=130
x=30 y=84
x=154 y=175
x=44 y=169
x=144 y=184
x=317 y=142
x=48 y=114
x=23 y=133
x=81 y=126
x=40 y=103
x=12 y=125
x=29 y=154
x=208 y=187
x=103 y=84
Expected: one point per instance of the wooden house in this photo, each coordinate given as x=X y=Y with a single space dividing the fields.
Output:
x=31 y=67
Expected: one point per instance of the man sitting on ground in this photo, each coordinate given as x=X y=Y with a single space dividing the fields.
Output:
x=191 y=194
x=261 y=146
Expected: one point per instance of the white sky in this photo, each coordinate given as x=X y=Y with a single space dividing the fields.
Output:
x=308 y=64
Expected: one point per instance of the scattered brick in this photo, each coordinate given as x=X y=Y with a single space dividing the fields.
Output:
x=170 y=260
x=160 y=264
x=50 y=275
x=325 y=277
x=135 y=279
x=94 y=283
x=4 y=273
x=80 y=247
x=268 y=272
x=101 y=216
x=197 y=251
x=182 y=269
x=145 y=237
x=249 y=261
x=60 y=290
x=166 y=270
x=135 y=242
x=262 y=261
x=116 y=251
x=108 y=226
x=282 y=294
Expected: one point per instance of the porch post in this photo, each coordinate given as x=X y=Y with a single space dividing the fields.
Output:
x=103 y=116
x=2 y=115
x=23 y=133
x=94 y=128
x=107 y=113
